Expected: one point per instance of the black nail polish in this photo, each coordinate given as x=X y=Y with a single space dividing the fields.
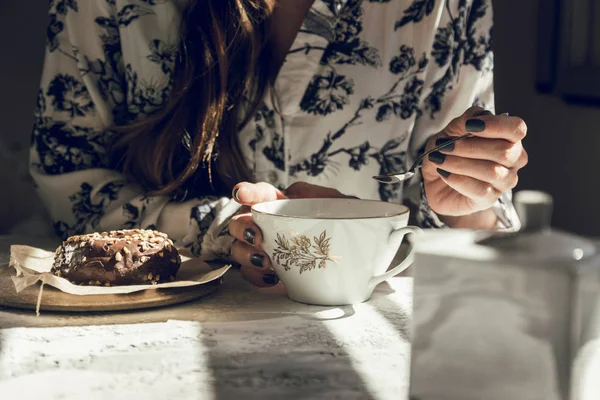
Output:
x=448 y=148
x=443 y=172
x=270 y=279
x=249 y=235
x=235 y=194
x=475 y=125
x=437 y=157
x=257 y=260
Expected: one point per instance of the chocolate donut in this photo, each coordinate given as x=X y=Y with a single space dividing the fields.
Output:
x=123 y=257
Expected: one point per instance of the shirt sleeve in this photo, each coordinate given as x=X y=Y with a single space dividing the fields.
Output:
x=460 y=75
x=86 y=88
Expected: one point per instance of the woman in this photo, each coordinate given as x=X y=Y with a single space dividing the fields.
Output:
x=151 y=112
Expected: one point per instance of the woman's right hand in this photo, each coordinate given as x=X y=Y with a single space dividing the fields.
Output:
x=246 y=249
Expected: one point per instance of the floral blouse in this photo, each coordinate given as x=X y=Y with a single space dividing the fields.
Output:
x=363 y=87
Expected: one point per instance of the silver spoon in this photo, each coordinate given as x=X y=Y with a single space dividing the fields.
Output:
x=401 y=177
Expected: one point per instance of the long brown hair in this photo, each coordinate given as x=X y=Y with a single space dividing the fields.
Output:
x=222 y=73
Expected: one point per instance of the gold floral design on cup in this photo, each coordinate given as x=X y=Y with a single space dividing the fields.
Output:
x=299 y=251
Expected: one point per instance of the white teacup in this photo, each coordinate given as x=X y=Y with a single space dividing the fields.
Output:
x=333 y=251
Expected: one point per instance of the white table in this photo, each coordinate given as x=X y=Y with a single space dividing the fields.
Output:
x=242 y=342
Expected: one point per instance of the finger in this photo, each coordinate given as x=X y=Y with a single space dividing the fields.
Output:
x=258 y=278
x=500 y=177
x=481 y=193
x=253 y=193
x=523 y=159
x=500 y=151
x=456 y=127
x=243 y=228
x=475 y=111
x=508 y=128
x=250 y=257
x=255 y=265
x=308 y=190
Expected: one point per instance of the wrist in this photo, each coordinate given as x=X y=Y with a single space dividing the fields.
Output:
x=485 y=219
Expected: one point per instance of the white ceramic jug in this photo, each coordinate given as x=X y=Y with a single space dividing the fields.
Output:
x=507 y=316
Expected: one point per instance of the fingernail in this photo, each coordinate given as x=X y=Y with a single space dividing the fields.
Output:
x=448 y=148
x=437 y=157
x=475 y=125
x=249 y=235
x=443 y=172
x=257 y=260
x=235 y=194
x=270 y=279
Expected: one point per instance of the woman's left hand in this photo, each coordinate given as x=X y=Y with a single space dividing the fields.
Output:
x=470 y=175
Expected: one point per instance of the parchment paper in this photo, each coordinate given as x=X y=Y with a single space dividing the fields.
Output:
x=33 y=265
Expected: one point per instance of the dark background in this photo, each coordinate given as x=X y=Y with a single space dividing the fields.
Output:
x=563 y=140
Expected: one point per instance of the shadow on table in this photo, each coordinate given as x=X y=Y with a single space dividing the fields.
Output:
x=207 y=309
x=296 y=359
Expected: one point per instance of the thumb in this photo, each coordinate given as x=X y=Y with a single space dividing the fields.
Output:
x=476 y=112
x=472 y=112
x=456 y=127
x=249 y=194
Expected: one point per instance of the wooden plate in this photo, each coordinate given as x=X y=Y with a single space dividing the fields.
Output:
x=55 y=300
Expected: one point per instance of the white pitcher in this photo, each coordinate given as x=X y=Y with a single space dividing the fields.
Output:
x=507 y=316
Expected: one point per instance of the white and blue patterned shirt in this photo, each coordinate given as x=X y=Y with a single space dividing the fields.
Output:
x=362 y=89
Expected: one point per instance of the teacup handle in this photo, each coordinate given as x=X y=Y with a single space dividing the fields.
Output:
x=376 y=280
